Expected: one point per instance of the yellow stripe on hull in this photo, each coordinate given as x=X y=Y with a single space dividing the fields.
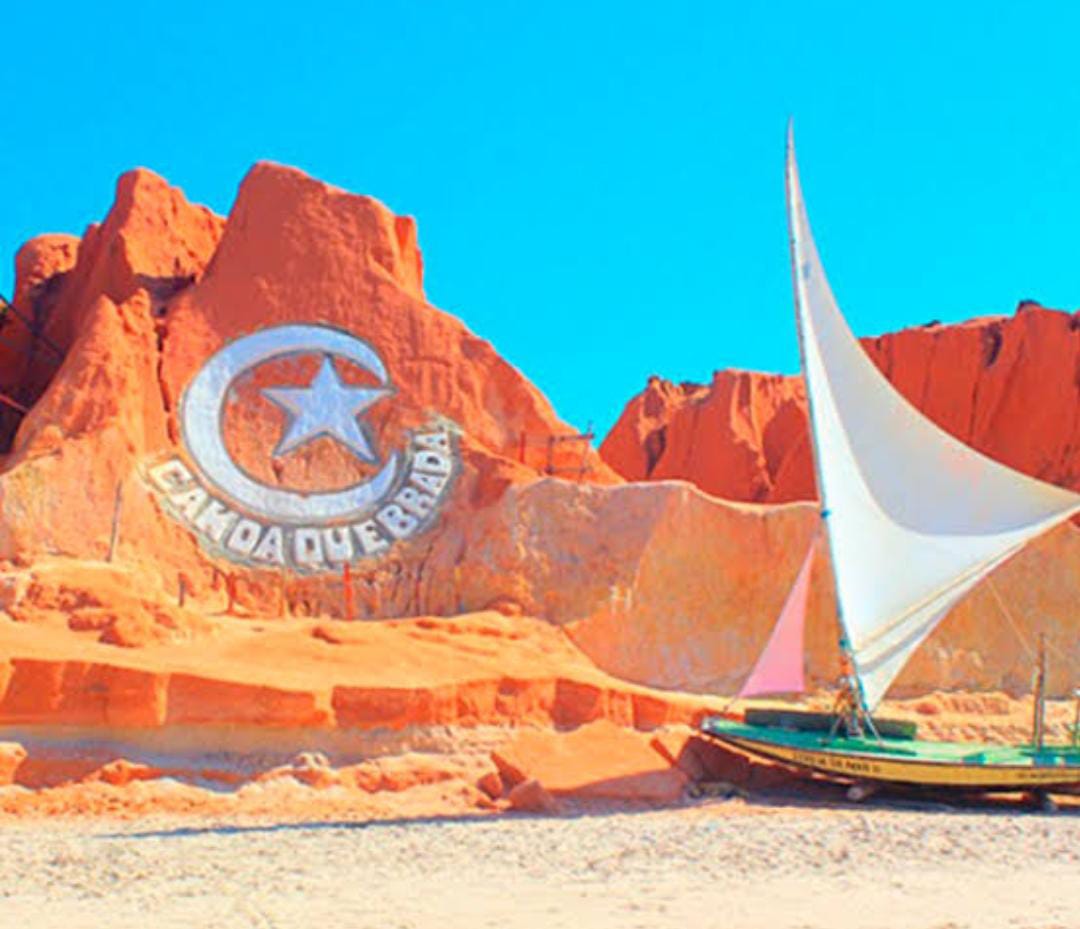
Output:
x=904 y=771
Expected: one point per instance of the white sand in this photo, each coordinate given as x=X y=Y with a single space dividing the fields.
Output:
x=726 y=865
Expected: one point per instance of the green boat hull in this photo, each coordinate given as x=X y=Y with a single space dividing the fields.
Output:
x=905 y=761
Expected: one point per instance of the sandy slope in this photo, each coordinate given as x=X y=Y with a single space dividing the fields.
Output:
x=726 y=865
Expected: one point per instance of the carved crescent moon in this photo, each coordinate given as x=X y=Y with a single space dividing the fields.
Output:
x=203 y=403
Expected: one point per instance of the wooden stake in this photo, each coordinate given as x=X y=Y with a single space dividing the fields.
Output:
x=585 y=446
x=114 y=537
x=181 y=591
x=35 y=329
x=14 y=404
x=346 y=582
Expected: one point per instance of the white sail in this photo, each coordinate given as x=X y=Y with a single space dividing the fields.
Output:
x=915 y=518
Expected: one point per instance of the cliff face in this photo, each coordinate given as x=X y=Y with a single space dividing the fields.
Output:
x=742 y=437
x=656 y=582
x=107 y=340
x=1009 y=387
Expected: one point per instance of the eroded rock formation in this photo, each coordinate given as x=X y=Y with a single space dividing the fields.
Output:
x=1007 y=386
x=598 y=586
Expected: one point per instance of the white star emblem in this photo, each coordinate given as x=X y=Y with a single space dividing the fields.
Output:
x=326 y=407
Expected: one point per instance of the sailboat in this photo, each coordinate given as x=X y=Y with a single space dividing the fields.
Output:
x=914 y=520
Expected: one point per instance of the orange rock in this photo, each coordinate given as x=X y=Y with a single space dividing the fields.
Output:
x=152 y=240
x=93 y=619
x=505 y=605
x=143 y=308
x=41 y=266
x=310 y=768
x=742 y=438
x=491 y=783
x=134 y=631
x=638 y=440
x=509 y=770
x=651 y=712
x=49 y=770
x=393 y=708
x=531 y=797
x=598 y=760
x=346 y=260
x=473 y=670
x=121 y=772
x=715 y=762
x=12 y=755
x=399 y=773
x=703 y=760
x=122 y=606
x=577 y=703
x=673 y=746
x=406 y=771
x=1004 y=385
x=102 y=407
x=197 y=700
x=39 y=269
x=82 y=694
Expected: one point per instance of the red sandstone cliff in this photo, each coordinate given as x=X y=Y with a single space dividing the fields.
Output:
x=160 y=285
x=1008 y=386
x=657 y=583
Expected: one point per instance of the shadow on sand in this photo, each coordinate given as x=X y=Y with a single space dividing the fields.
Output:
x=810 y=796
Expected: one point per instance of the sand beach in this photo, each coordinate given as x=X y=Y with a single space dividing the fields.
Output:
x=730 y=864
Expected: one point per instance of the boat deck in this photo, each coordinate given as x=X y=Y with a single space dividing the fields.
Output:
x=907 y=761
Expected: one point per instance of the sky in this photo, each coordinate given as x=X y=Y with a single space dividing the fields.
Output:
x=598 y=186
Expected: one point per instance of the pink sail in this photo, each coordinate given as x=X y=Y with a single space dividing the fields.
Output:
x=780 y=667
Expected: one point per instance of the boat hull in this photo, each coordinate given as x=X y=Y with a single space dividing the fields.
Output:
x=961 y=766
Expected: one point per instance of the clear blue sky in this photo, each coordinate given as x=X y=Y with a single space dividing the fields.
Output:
x=598 y=185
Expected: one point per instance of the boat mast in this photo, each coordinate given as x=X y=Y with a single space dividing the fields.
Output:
x=1038 y=719
x=858 y=711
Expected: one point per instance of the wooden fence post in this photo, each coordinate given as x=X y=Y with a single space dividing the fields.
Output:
x=230 y=592
x=346 y=581
x=114 y=536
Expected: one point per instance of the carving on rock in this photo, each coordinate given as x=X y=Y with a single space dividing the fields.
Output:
x=242 y=518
